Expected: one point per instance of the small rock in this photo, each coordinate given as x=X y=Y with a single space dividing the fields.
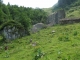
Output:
x=34 y=44
x=53 y=31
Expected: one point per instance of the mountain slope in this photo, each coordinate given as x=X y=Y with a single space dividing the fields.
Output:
x=53 y=43
x=71 y=7
x=48 y=10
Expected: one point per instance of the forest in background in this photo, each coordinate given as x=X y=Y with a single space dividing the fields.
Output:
x=26 y=16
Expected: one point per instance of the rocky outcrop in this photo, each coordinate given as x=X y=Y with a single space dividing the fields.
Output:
x=11 y=33
x=12 y=30
x=37 y=27
x=55 y=17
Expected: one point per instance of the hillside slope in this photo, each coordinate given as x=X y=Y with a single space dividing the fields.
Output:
x=71 y=7
x=61 y=44
x=48 y=10
x=73 y=12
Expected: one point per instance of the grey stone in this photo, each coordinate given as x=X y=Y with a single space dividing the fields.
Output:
x=12 y=33
x=69 y=20
x=53 y=31
x=37 y=27
x=55 y=17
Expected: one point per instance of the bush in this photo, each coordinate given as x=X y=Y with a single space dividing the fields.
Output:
x=1 y=38
x=38 y=53
x=12 y=23
x=72 y=10
x=71 y=16
x=75 y=33
x=64 y=38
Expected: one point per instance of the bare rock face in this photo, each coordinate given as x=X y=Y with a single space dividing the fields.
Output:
x=11 y=30
x=55 y=17
x=37 y=27
x=11 y=33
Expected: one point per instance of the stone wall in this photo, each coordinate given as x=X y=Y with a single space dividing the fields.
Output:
x=55 y=17
x=69 y=20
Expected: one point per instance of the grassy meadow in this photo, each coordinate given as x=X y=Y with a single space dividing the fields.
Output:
x=60 y=42
x=73 y=12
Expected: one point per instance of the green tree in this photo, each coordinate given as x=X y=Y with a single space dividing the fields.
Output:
x=64 y=3
x=23 y=15
x=1 y=16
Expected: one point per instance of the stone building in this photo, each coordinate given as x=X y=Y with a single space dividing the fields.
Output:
x=69 y=20
x=55 y=17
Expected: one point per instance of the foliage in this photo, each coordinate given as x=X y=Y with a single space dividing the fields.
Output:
x=22 y=15
x=47 y=42
x=65 y=4
x=55 y=7
x=63 y=38
x=48 y=10
x=38 y=54
x=11 y=23
x=73 y=12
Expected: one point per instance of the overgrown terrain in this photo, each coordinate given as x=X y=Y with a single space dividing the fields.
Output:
x=25 y=16
x=53 y=43
x=71 y=7
x=60 y=42
x=73 y=12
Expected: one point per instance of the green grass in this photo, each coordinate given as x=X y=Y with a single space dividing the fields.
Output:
x=73 y=12
x=64 y=44
x=48 y=10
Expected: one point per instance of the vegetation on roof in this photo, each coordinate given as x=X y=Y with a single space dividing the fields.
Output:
x=11 y=23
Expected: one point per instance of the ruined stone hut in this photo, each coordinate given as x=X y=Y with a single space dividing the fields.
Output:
x=69 y=20
x=55 y=17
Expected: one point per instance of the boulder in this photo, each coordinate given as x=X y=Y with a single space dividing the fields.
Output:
x=12 y=30
x=37 y=27
x=12 y=33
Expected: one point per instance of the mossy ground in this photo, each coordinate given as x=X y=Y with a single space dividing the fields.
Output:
x=63 y=44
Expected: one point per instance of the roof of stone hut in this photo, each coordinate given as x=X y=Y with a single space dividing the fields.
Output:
x=69 y=19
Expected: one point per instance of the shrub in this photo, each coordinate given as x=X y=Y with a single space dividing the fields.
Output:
x=12 y=23
x=75 y=33
x=38 y=54
x=72 y=10
x=70 y=15
x=1 y=38
x=63 y=38
x=60 y=38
